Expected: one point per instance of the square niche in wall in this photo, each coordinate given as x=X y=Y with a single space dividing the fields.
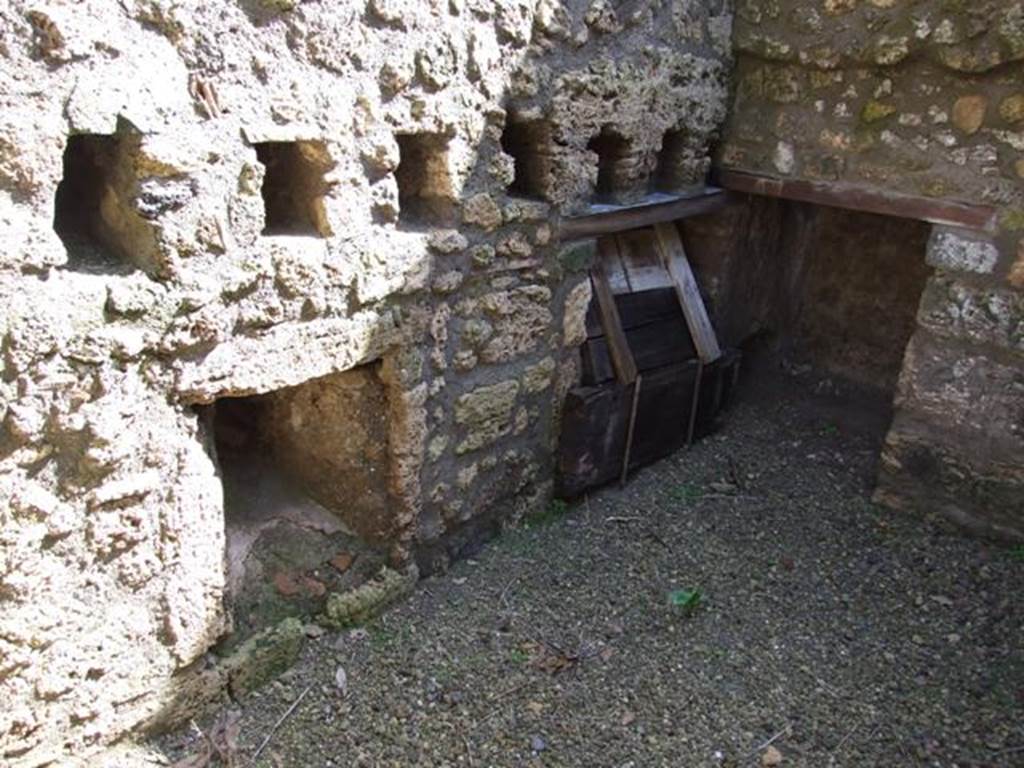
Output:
x=306 y=472
x=425 y=189
x=614 y=165
x=528 y=142
x=85 y=201
x=294 y=187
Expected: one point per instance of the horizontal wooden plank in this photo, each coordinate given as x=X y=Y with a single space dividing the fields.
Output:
x=636 y=309
x=862 y=198
x=609 y=219
x=654 y=345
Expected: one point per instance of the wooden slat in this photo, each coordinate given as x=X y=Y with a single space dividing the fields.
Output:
x=666 y=342
x=689 y=294
x=614 y=267
x=622 y=358
x=856 y=197
x=595 y=421
x=639 y=252
x=610 y=219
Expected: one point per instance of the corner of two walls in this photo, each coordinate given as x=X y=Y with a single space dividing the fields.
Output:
x=926 y=101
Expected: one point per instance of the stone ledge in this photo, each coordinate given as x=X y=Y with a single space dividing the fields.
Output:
x=286 y=356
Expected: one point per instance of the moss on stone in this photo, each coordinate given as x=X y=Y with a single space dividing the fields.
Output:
x=578 y=258
x=263 y=657
x=347 y=609
x=876 y=110
x=1013 y=219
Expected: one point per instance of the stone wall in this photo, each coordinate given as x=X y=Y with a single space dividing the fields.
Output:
x=227 y=199
x=924 y=98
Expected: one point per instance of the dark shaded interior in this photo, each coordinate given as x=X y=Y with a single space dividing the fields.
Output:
x=668 y=176
x=527 y=142
x=612 y=150
x=425 y=192
x=88 y=163
x=827 y=295
x=293 y=188
x=286 y=551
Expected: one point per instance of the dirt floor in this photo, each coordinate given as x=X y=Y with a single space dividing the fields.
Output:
x=830 y=632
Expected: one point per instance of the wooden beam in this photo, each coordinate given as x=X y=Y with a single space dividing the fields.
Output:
x=609 y=219
x=862 y=198
x=622 y=357
x=697 y=320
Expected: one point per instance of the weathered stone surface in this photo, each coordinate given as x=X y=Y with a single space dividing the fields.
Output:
x=961 y=252
x=486 y=414
x=936 y=117
x=989 y=315
x=263 y=657
x=970 y=394
x=538 y=377
x=520 y=318
x=363 y=603
x=969 y=113
x=577 y=301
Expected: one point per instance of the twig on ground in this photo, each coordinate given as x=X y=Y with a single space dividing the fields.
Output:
x=772 y=740
x=504 y=695
x=658 y=539
x=1009 y=751
x=504 y=592
x=846 y=738
x=280 y=721
x=631 y=519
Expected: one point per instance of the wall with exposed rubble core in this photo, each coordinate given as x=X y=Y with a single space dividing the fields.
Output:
x=924 y=98
x=209 y=212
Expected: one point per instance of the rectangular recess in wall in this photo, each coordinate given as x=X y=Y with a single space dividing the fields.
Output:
x=294 y=187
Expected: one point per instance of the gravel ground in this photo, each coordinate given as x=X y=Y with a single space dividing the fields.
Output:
x=843 y=633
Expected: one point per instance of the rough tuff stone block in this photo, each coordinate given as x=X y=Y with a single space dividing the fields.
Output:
x=362 y=604
x=961 y=251
x=963 y=391
x=981 y=315
x=486 y=413
x=263 y=657
x=923 y=473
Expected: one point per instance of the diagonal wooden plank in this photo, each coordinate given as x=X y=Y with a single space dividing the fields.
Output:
x=674 y=256
x=622 y=357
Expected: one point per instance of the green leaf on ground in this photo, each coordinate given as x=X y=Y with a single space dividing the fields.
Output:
x=686 y=599
x=686 y=492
